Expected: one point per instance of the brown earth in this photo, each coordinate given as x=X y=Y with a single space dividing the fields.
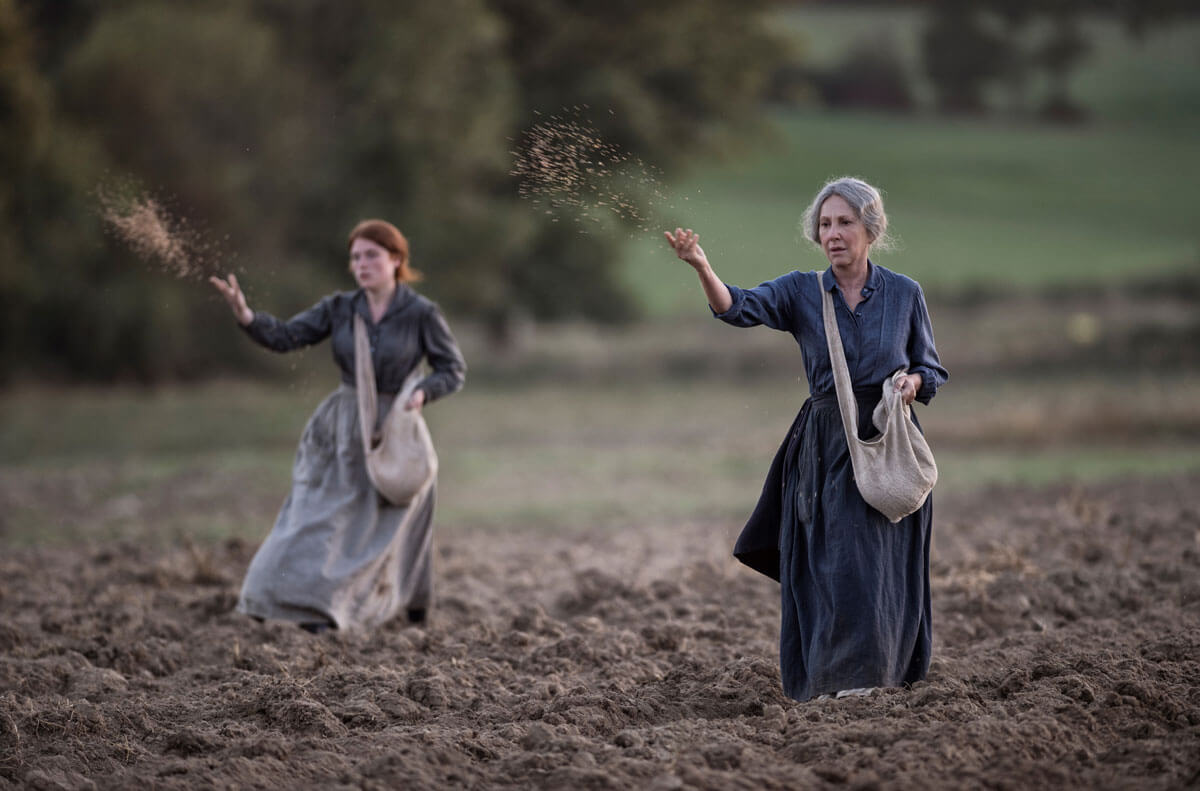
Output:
x=1067 y=628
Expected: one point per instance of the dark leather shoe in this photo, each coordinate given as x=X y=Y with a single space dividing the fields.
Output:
x=417 y=615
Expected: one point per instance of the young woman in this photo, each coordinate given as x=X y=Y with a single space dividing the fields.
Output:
x=854 y=587
x=340 y=555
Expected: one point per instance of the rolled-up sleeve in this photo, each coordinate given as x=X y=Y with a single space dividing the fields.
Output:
x=449 y=368
x=768 y=304
x=922 y=354
x=304 y=329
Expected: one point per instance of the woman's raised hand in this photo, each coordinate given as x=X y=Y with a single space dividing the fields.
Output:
x=687 y=246
x=234 y=296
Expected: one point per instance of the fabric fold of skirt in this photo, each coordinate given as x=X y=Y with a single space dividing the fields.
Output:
x=338 y=550
x=854 y=588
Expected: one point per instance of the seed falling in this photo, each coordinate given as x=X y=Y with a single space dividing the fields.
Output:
x=157 y=236
x=565 y=165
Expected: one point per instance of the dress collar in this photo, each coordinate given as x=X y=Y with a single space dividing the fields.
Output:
x=874 y=279
x=402 y=296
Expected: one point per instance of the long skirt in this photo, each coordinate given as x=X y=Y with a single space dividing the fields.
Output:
x=340 y=552
x=854 y=587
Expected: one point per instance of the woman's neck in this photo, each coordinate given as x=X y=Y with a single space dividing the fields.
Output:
x=378 y=299
x=851 y=277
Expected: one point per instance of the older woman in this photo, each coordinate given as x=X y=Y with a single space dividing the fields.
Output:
x=854 y=587
x=339 y=554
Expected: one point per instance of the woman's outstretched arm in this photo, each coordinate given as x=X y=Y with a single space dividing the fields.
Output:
x=687 y=246
x=303 y=329
x=234 y=296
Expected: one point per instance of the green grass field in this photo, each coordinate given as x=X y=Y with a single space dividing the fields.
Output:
x=987 y=203
x=974 y=205
x=572 y=452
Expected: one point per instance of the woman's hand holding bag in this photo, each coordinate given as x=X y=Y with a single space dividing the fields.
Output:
x=895 y=471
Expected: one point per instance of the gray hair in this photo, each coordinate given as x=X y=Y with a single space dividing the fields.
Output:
x=862 y=197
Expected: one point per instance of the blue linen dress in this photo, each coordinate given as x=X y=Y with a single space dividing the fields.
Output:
x=854 y=588
x=338 y=551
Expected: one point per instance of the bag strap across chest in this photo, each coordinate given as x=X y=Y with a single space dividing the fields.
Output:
x=847 y=404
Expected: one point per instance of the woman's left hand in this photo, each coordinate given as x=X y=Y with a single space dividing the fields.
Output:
x=416 y=400
x=908 y=385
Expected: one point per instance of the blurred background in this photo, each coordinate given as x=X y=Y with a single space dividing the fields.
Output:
x=1039 y=163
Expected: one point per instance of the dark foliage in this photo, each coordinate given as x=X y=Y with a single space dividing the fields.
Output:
x=271 y=126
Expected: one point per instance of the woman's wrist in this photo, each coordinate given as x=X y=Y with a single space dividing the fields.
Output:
x=705 y=272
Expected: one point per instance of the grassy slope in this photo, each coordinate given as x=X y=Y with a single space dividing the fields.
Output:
x=972 y=203
x=985 y=202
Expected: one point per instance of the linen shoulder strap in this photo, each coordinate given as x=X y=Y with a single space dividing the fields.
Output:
x=847 y=405
x=364 y=382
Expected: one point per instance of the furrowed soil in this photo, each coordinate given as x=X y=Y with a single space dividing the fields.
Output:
x=1067 y=654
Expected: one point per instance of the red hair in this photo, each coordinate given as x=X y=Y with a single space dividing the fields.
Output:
x=387 y=236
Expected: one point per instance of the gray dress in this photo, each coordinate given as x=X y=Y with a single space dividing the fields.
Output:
x=338 y=551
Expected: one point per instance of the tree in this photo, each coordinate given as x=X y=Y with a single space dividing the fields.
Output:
x=963 y=52
x=961 y=55
x=49 y=250
x=1016 y=16
x=275 y=124
x=1060 y=53
x=664 y=81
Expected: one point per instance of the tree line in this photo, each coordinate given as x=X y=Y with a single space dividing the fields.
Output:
x=970 y=51
x=968 y=45
x=273 y=125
